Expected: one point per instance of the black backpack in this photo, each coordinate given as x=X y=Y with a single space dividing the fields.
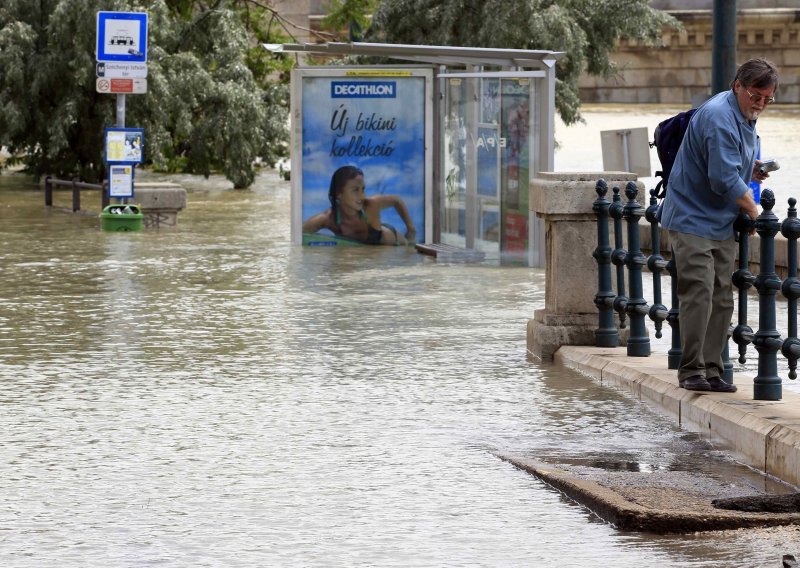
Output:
x=667 y=139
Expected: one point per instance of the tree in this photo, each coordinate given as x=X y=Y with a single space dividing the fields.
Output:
x=586 y=30
x=204 y=110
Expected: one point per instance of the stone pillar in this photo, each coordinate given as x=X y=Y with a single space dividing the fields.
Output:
x=160 y=203
x=564 y=200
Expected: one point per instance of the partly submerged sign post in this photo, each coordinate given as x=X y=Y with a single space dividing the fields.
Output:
x=122 y=69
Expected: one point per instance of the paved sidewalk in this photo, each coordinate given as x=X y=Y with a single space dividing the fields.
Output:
x=663 y=502
x=762 y=434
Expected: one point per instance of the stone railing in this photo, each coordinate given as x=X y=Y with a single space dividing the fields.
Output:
x=570 y=315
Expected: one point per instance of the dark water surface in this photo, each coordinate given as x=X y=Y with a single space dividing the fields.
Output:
x=213 y=396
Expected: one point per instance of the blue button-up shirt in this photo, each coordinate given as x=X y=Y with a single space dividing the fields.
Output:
x=711 y=171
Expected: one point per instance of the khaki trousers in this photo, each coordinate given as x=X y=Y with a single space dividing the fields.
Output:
x=705 y=296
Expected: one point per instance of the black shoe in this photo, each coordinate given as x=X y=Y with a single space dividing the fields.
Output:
x=694 y=383
x=718 y=385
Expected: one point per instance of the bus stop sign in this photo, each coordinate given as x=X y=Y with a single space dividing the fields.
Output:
x=122 y=36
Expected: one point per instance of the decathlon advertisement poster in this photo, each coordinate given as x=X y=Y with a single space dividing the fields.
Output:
x=378 y=120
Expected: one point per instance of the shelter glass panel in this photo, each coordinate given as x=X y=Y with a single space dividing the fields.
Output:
x=453 y=220
x=488 y=156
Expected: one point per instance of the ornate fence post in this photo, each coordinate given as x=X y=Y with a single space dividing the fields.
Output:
x=616 y=211
x=790 y=228
x=743 y=279
x=673 y=319
x=727 y=365
x=767 y=384
x=655 y=263
x=606 y=334
x=637 y=308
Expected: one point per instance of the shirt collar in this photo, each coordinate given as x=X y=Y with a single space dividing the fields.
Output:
x=734 y=104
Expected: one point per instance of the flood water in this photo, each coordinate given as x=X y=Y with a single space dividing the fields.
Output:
x=214 y=396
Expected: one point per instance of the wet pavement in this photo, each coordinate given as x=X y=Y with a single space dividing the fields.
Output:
x=678 y=495
x=658 y=501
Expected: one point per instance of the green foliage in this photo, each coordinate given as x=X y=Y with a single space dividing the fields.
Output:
x=204 y=110
x=47 y=98
x=586 y=30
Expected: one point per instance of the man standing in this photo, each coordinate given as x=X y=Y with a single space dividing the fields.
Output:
x=708 y=187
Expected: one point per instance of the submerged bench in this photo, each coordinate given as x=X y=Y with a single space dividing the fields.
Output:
x=450 y=252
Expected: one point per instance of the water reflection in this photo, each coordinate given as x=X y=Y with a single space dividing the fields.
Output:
x=212 y=395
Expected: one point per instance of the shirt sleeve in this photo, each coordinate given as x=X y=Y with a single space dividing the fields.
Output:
x=725 y=162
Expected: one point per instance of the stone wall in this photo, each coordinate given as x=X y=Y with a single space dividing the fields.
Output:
x=679 y=71
x=303 y=15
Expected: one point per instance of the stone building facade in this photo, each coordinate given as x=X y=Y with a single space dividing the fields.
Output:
x=679 y=71
x=302 y=16
x=676 y=72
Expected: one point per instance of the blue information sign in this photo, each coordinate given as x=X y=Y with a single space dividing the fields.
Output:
x=120 y=180
x=122 y=36
x=124 y=145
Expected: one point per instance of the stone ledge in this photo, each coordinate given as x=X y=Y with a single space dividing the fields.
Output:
x=572 y=194
x=160 y=202
x=649 y=502
x=762 y=434
x=544 y=340
x=153 y=195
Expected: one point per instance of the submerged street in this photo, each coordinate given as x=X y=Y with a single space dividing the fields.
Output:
x=213 y=395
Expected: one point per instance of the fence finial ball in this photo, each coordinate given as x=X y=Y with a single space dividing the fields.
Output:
x=631 y=191
x=767 y=199
x=601 y=187
x=790 y=228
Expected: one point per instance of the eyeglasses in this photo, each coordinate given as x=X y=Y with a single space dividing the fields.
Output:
x=757 y=98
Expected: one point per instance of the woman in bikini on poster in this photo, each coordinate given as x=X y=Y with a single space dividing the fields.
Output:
x=355 y=216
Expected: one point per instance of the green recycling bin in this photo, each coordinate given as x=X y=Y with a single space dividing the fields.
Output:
x=121 y=217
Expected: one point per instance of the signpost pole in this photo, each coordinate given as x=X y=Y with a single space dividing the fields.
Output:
x=121 y=110
x=121 y=121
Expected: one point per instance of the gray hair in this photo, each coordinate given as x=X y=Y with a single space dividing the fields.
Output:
x=758 y=73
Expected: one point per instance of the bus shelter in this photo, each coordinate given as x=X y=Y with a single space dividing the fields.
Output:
x=467 y=129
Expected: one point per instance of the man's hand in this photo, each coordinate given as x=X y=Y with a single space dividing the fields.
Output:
x=757 y=175
x=749 y=208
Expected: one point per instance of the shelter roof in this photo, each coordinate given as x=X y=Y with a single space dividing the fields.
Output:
x=434 y=54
